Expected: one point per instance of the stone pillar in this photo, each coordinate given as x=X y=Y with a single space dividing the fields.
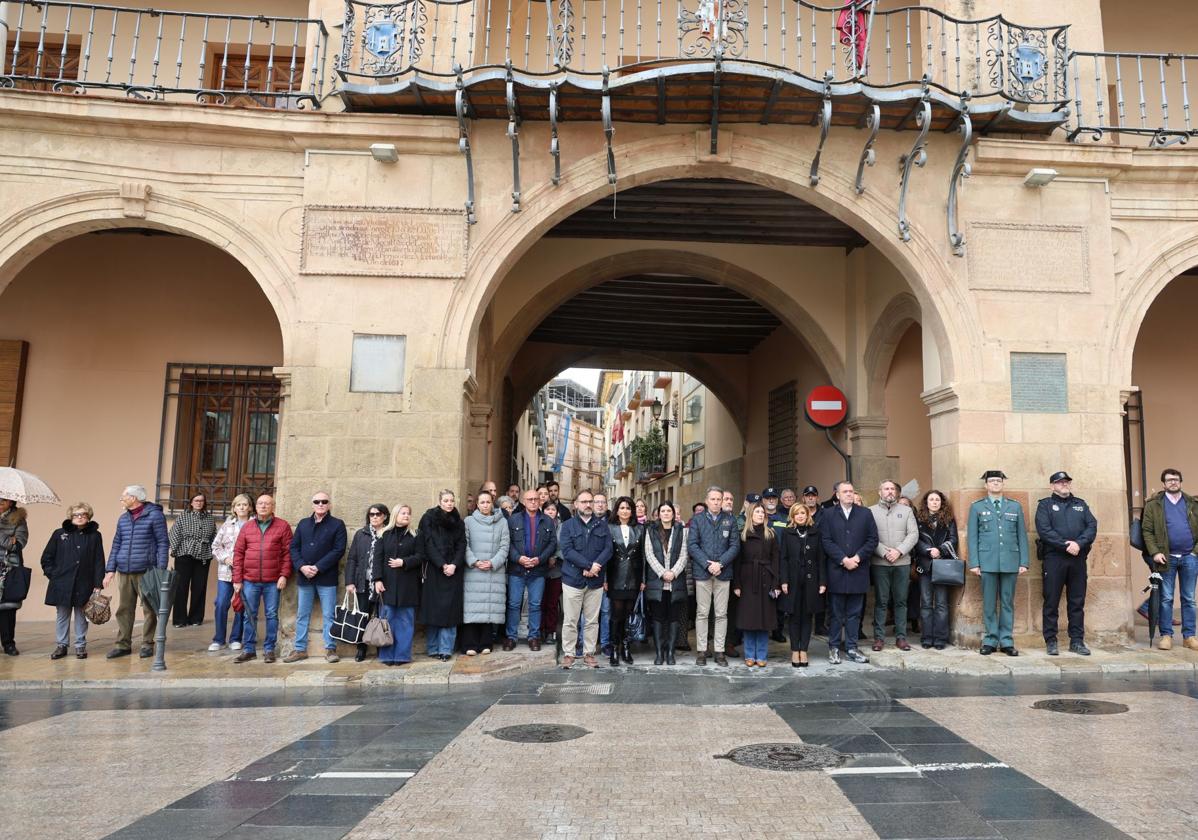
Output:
x=871 y=464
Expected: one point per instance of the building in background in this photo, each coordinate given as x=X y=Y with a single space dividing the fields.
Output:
x=560 y=437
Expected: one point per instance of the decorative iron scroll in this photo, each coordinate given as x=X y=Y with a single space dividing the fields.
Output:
x=1027 y=64
x=563 y=34
x=714 y=22
x=392 y=37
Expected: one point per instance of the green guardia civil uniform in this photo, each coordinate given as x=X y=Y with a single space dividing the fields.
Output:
x=998 y=546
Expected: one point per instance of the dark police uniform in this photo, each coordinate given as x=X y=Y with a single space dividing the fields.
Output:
x=1060 y=519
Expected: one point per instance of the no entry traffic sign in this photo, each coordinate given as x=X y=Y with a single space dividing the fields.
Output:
x=827 y=406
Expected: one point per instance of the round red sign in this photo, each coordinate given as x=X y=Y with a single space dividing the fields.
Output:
x=827 y=406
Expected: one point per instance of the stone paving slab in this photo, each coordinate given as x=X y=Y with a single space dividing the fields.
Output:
x=1135 y=770
x=116 y=766
x=1035 y=662
x=640 y=771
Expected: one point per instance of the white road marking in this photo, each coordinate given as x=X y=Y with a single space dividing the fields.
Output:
x=366 y=774
x=914 y=768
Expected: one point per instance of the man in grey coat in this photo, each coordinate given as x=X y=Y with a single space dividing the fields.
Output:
x=890 y=565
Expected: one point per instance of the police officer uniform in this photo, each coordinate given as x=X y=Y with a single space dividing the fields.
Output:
x=998 y=547
x=1060 y=520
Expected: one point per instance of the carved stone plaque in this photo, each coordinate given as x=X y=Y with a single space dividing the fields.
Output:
x=384 y=242
x=1039 y=383
x=1019 y=257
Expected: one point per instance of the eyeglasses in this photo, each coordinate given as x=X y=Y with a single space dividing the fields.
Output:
x=1172 y=479
x=320 y=501
x=81 y=513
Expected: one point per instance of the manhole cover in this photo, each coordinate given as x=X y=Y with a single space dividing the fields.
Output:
x=539 y=733
x=1071 y=706
x=786 y=756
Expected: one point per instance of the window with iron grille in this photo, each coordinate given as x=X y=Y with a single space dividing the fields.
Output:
x=783 y=419
x=220 y=434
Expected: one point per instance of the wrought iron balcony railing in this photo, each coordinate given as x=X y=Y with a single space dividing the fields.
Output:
x=144 y=53
x=843 y=44
x=1144 y=94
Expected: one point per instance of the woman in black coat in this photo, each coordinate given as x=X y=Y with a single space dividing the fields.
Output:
x=756 y=582
x=625 y=575
x=937 y=540
x=360 y=563
x=397 y=566
x=803 y=583
x=443 y=544
x=666 y=595
x=74 y=563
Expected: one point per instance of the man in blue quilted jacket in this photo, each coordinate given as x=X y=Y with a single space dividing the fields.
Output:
x=140 y=543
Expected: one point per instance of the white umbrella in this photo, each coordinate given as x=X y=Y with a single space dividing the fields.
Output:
x=25 y=488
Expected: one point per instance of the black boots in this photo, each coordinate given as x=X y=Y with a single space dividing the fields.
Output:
x=673 y=637
x=659 y=643
x=626 y=652
x=613 y=655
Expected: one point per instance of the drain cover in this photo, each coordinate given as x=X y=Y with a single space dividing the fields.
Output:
x=1071 y=706
x=539 y=733
x=786 y=756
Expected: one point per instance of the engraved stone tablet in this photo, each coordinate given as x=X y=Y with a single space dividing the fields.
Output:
x=1018 y=257
x=1039 y=383
x=384 y=242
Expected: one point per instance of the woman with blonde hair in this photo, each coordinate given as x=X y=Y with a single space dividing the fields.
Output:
x=801 y=553
x=397 y=584
x=443 y=544
x=756 y=582
x=222 y=553
x=74 y=563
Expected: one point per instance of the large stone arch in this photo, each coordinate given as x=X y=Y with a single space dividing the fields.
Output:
x=947 y=312
x=33 y=230
x=673 y=261
x=900 y=313
x=1171 y=255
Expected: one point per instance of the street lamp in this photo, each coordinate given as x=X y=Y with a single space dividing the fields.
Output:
x=655 y=408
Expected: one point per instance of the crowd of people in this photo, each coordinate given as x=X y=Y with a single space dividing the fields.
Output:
x=598 y=576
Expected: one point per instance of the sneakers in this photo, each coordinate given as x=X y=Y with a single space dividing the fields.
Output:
x=331 y=656
x=235 y=646
x=1165 y=643
x=1191 y=643
x=854 y=655
x=1081 y=650
x=214 y=646
x=567 y=662
x=834 y=656
x=295 y=656
x=81 y=653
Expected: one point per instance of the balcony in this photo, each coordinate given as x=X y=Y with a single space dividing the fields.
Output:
x=1132 y=95
x=695 y=61
x=153 y=54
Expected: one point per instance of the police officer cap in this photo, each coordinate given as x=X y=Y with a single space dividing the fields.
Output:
x=1059 y=475
x=989 y=474
x=752 y=498
x=769 y=493
x=810 y=490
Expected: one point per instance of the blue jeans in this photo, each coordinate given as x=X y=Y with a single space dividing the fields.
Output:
x=224 y=596
x=441 y=640
x=268 y=594
x=303 y=613
x=757 y=644
x=517 y=585
x=1185 y=568
x=403 y=623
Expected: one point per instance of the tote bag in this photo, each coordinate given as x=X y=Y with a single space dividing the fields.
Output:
x=948 y=571
x=349 y=623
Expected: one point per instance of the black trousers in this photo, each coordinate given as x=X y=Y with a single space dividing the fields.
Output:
x=475 y=636
x=845 y=611
x=191 y=587
x=801 y=624
x=8 y=626
x=1068 y=574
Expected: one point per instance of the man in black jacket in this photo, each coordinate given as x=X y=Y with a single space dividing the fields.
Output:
x=1067 y=530
x=316 y=551
x=850 y=536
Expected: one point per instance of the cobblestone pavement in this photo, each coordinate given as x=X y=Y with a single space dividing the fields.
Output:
x=921 y=755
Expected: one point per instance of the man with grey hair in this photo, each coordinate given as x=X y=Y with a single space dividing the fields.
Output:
x=139 y=544
x=891 y=563
x=712 y=543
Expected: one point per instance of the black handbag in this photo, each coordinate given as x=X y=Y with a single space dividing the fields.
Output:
x=948 y=571
x=1135 y=535
x=349 y=623
x=16 y=584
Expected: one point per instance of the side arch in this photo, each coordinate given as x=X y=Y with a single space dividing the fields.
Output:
x=947 y=311
x=898 y=316
x=1172 y=255
x=33 y=230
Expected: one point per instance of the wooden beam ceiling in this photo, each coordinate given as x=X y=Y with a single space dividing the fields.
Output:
x=709 y=210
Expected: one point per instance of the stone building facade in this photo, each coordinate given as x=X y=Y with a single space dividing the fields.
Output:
x=291 y=274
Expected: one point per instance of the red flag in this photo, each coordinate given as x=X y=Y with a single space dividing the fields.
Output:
x=852 y=25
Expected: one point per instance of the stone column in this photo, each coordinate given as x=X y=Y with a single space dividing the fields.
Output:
x=871 y=464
